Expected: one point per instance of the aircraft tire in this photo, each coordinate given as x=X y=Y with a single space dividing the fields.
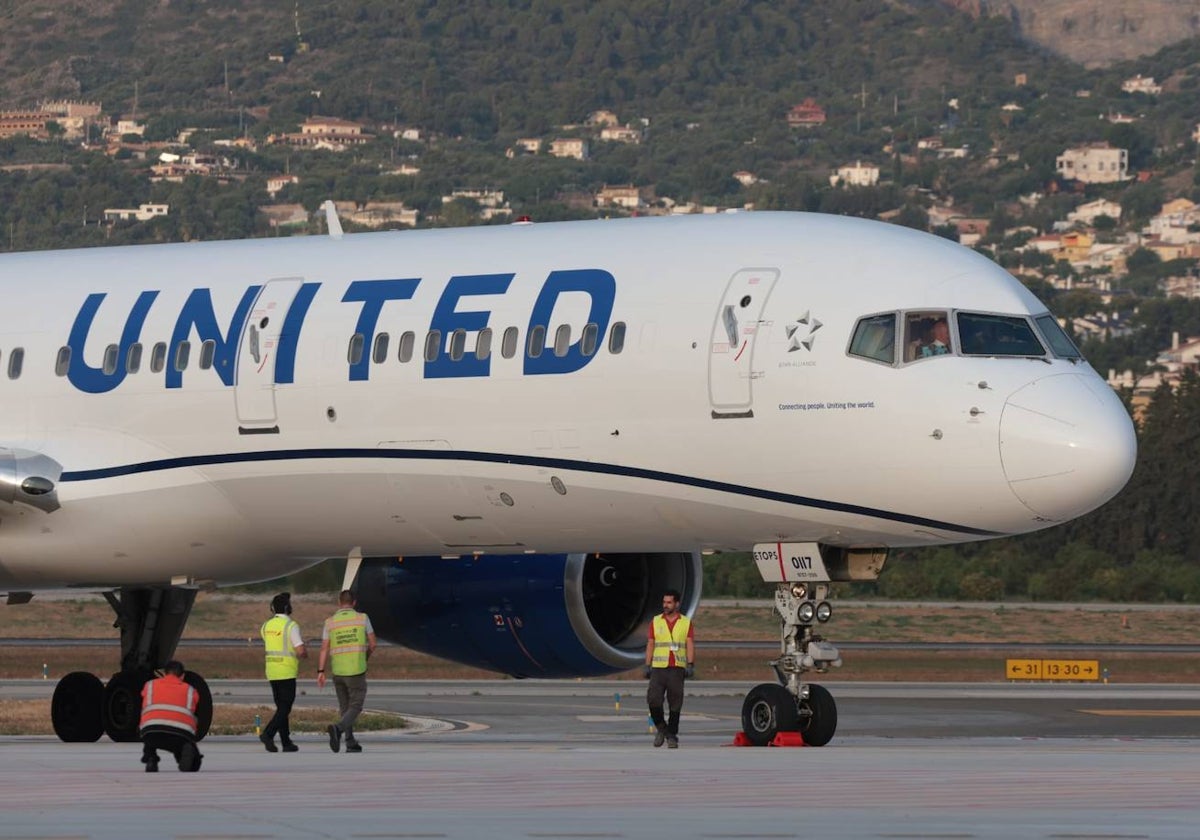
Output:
x=204 y=705
x=75 y=708
x=769 y=709
x=818 y=728
x=122 y=706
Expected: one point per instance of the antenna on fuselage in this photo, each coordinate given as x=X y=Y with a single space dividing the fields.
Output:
x=332 y=223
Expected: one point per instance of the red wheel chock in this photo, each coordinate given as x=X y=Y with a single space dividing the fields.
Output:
x=787 y=739
x=781 y=739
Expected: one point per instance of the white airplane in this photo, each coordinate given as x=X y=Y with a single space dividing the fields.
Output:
x=529 y=431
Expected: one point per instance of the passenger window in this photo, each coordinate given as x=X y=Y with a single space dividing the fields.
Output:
x=1058 y=340
x=208 y=349
x=16 y=360
x=133 y=361
x=158 y=357
x=875 y=338
x=379 y=352
x=433 y=345
x=458 y=344
x=111 y=353
x=183 y=352
x=537 y=341
x=354 y=352
x=62 y=364
x=926 y=334
x=587 y=344
x=562 y=340
x=483 y=343
x=407 y=342
x=998 y=335
x=616 y=338
x=508 y=346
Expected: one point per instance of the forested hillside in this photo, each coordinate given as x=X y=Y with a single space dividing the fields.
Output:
x=961 y=114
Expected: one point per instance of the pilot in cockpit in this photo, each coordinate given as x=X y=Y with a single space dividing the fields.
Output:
x=939 y=339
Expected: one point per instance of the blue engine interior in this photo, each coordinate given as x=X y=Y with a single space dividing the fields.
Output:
x=526 y=615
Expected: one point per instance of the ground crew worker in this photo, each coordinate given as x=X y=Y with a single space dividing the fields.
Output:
x=284 y=648
x=347 y=641
x=169 y=720
x=670 y=656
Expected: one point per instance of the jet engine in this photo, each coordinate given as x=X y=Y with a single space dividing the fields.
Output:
x=527 y=615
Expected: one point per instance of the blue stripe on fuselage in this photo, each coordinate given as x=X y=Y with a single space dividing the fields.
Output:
x=518 y=460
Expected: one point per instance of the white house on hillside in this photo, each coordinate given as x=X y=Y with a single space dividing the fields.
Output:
x=858 y=175
x=1098 y=164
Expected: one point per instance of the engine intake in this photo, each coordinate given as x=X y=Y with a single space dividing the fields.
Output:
x=527 y=615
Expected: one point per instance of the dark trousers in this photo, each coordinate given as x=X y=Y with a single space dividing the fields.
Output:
x=669 y=682
x=178 y=744
x=284 y=692
x=351 y=693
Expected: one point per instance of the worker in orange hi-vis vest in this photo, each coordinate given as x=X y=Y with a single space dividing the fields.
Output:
x=169 y=720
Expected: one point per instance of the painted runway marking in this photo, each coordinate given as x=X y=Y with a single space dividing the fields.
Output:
x=1163 y=713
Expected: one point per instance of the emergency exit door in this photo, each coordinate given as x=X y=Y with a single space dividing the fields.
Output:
x=257 y=354
x=735 y=331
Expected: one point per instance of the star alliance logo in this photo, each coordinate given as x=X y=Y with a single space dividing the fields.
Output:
x=800 y=332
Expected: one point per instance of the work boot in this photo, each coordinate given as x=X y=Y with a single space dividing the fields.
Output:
x=335 y=737
x=268 y=742
x=672 y=742
x=660 y=735
x=189 y=758
x=289 y=746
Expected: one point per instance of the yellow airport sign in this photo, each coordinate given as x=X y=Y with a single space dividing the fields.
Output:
x=1070 y=669
x=1023 y=669
x=1052 y=669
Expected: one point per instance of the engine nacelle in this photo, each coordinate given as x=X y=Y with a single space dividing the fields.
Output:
x=527 y=615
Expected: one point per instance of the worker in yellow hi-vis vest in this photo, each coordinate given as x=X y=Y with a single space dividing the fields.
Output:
x=670 y=656
x=347 y=641
x=284 y=648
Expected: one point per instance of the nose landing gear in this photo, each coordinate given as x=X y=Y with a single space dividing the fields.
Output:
x=790 y=705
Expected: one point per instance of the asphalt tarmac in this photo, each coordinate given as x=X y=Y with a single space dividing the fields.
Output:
x=567 y=759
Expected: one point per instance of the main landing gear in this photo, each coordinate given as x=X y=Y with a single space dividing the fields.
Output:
x=151 y=621
x=790 y=705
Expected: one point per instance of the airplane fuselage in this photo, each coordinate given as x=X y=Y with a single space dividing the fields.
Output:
x=234 y=411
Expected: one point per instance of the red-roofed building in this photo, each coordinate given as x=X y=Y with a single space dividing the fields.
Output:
x=808 y=113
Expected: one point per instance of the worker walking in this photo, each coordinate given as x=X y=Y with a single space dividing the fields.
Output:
x=284 y=647
x=670 y=656
x=347 y=641
x=169 y=720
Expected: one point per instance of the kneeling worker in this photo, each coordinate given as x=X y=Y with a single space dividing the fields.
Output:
x=169 y=720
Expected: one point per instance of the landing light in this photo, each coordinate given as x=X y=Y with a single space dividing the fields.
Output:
x=806 y=611
x=824 y=611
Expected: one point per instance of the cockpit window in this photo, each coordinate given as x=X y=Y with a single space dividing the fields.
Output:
x=1060 y=343
x=926 y=334
x=998 y=335
x=875 y=338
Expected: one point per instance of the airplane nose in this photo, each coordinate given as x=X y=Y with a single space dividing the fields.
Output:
x=1067 y=445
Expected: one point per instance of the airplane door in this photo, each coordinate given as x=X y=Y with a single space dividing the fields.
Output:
x=734 y=334
x=255 y=390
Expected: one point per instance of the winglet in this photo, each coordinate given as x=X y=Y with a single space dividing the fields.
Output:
x=332 y=223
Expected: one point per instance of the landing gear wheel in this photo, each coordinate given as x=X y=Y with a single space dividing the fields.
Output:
x=818 y=716
x=122 y=706
x=768 y=709
x=75 y=708
x=204 y=704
